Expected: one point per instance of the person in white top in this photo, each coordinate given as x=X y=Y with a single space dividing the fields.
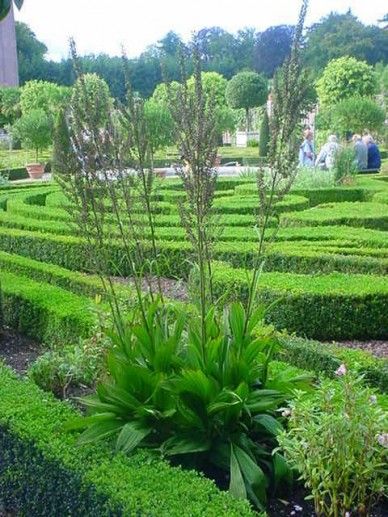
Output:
x=326 y=157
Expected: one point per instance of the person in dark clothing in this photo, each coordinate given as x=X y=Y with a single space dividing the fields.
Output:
x=374 y=158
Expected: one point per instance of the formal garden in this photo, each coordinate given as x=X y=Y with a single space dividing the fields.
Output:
x=191 y=342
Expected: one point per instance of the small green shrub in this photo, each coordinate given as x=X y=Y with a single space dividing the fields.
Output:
x=209 y=405
x=336 y=440
x=252 y=143
x=344 y=165
x=72 y=365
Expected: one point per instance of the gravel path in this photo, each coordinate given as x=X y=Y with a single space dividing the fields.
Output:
x=375 y=347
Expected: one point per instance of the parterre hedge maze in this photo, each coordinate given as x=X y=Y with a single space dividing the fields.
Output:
x=327 y=267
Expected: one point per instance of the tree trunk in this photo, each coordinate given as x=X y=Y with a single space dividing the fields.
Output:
x=247 y=128
x=9 y=75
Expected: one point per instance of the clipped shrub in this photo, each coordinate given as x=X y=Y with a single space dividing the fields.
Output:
x=43 y=471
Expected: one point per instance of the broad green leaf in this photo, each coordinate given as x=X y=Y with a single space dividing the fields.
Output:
x=237 y=321
x=19 y=3
x=130 y=436
x=282 y=472
x=99 y=431
x=236 y=485
x=185 y=445
x=82 y=422
x=254 y=477
x=269 y=423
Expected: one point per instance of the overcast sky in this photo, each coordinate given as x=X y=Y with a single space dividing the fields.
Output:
x=103 y=25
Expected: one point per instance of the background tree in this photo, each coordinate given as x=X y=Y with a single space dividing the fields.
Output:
x=345 y=77
x=64 y=160
x=356 y=115
x=218 y=50
x=34 y=129
x=245 y=43
x=247 y=90
x=160 y=126
x=5 y=7
x=42 y=95
x=91 y=98
x=264 y=135
x=272 y=47
x=31 y=54
x=384 y=21
x=338 y=35
x=9 y=105
x=382 y=83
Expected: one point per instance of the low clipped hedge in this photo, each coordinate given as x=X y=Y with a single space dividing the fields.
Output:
x=369 y=215
x=44 y=312
x=326 y=358
x=381 y=197
x=323 y=307
x=18 y=173
x=339 y=236
x=174 y=257
x=250 y=204
x=44 y=473
x=74 y=281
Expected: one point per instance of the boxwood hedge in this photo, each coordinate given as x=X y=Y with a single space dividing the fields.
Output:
x=44 y=473
x=44 y=312
x=323 y=307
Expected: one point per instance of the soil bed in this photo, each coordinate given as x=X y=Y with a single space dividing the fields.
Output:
x=18 y=351
x=174 y=289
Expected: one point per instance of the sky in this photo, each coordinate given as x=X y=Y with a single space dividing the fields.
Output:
x=103 y=26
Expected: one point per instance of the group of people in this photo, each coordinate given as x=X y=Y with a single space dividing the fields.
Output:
x=366 y=153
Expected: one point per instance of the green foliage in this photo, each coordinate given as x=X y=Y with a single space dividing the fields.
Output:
x=31 y=57
x=353 y=115
x=204 y=403
x=34 y=130
x=369 y=215
x=9 y=105
x=42 y=95
x=247 y=90
x=273 y=46
x=44 y=312
x=91 y=99
x=38 y=457
x=82 y=364
x=345 y=77
x=345 y=165
x=264 y=135
x=334 y=440
x=214 y=86
x=64 y=159
x=324 y=306
x=159 y=124
x=338 y=35
x=5 y=6
x=325 y=360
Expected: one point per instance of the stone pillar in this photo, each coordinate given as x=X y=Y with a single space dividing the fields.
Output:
x=9 y=75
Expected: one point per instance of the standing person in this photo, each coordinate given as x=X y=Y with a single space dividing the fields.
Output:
x=306 y=150
x=361 y=152
x=326 y=157
x=374 y=157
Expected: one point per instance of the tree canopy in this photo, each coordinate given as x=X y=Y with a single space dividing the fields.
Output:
x=338 y=35
x=343 y=78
